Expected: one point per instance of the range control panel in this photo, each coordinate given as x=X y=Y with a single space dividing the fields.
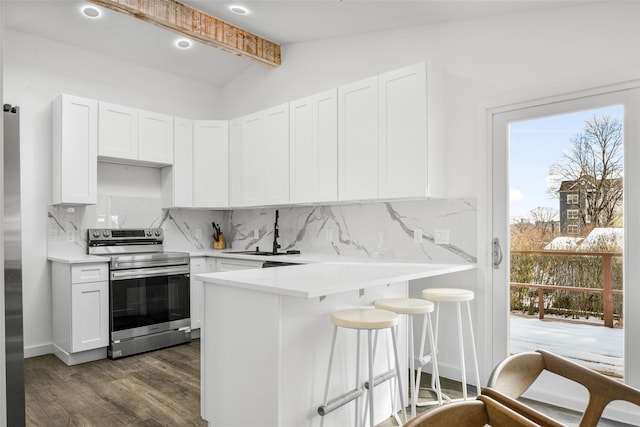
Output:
x=120 y=236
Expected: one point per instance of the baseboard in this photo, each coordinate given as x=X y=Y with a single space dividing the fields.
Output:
x=38 y=350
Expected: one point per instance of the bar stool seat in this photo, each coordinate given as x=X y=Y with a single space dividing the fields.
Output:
x=448 y=295
x=358 y=318
x=369 y=320
x=415 y=307
x=457 y=296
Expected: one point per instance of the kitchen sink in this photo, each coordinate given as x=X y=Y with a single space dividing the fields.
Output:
x=265 y=253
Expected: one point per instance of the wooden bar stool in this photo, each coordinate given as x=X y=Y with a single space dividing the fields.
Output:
x=457 y=296
x=369 y=320
x=414 y=307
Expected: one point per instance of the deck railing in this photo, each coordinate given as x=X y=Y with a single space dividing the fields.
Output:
x=606 y=290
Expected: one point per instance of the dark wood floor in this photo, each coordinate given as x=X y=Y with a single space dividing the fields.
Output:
x=160 y=388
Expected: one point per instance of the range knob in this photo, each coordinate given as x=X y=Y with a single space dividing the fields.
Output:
x=96 y=234
x=105 y=233
x=149 y=233
x=157 y=233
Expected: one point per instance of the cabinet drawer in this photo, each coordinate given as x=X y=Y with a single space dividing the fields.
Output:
x=86 y=273
x=236 y=264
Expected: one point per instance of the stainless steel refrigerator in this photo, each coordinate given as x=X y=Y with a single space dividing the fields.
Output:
x=12 y=225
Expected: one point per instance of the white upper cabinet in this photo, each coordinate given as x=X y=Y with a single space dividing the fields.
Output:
x=235 y=162
x=155 y=139
x=358 y=140
x=265 y=157
x=403 y=132
x=313 y=148
x=390 y=135
x=118 y=132
x=129 y=135
x=74 y=150
x=210 y=164
x=177 y=180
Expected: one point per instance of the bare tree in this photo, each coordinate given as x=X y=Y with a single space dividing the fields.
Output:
x=595 y=163
x=544 y=217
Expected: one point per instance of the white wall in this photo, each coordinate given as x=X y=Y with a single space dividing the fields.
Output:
x=546 y=52
x=511 y=57
x=36 y=70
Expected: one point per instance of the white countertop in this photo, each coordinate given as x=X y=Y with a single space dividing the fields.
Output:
x=74 y=257
x=327 y=278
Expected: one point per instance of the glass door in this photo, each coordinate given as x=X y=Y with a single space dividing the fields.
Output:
x=539 y=240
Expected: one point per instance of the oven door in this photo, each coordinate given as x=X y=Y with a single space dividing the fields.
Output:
x=146 y=301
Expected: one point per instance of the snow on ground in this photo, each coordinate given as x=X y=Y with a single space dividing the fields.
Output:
x=595 y=347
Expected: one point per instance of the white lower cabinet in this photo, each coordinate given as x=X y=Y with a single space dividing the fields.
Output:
x=80 y=305
x=198 y=266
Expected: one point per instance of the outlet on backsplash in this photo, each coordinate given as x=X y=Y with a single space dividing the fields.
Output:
x=417 y=235
x=198 y=233
x=441 y=237
x=70 y=236
x=256 y=233
x=329 y=234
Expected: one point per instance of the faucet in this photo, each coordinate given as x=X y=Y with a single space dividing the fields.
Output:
x=276 y=234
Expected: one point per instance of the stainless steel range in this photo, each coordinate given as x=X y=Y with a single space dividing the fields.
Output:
x=149 y=298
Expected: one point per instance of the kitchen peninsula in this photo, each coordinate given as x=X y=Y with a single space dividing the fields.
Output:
x=266 y=335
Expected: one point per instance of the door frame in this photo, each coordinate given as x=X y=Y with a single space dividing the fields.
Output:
x=493 y=300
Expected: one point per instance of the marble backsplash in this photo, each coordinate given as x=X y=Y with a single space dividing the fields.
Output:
x=187 y=230
x=384 y=230
x=380 y=229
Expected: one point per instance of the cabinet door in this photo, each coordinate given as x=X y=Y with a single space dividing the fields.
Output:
x=313 y=148
x=89 y=315
x=253 y=157
x=275 y=163
x=235 y=163
x=358 y=140
x=211 y=164
x=155 y=138
x=117 y=131
x=403 y=132
x=75 y=150
x=197 y=266
x=181 y=179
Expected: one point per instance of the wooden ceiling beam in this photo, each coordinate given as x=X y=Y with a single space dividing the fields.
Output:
x=205 y=28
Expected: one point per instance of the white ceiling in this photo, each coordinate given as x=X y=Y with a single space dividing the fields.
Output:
x=291 y=21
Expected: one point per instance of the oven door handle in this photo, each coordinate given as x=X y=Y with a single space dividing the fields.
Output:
x=148 y=272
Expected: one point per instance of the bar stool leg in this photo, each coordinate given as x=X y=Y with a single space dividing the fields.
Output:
x=473 y=349
x=412 y=372
x=371 y=384
x=326 y=388
x=461 y=345
x=434 y=358
x=427 y=328
x=394 y=336
x=435 y=340
x=357 y=379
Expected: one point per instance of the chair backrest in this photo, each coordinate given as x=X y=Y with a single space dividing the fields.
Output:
x=515 y=374
x=519 y=407
x=471 y=413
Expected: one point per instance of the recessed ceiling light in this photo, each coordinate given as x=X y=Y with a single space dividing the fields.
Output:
x=240 y=10
x=91 y=12
x=183 y=43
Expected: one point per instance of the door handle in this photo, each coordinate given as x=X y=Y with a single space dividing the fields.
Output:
x=497 y=253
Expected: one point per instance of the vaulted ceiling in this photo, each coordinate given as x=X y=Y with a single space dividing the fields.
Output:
x=285 y=22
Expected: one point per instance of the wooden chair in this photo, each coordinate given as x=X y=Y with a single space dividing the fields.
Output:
x=524 y=410
x=514 y=375
x=471 y=413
